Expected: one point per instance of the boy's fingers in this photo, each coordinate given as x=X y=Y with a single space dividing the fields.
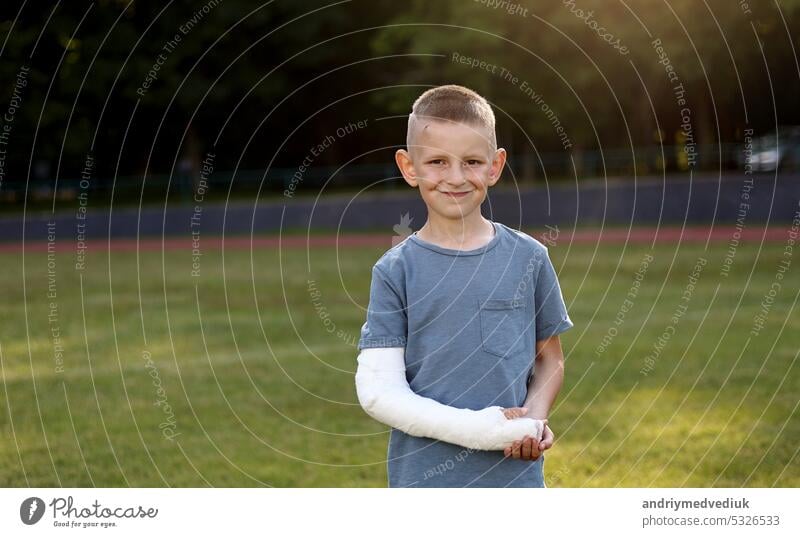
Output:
x=527 y=446
x=536 y=451
x=514 y=412
x=515 y=450
x=547 y=439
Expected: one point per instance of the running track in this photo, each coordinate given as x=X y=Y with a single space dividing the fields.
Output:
x=639 y=235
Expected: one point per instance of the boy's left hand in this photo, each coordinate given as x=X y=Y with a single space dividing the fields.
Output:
x=529 y=449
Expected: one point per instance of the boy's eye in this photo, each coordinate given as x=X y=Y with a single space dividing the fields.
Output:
x=437 y=161
x=473 y=162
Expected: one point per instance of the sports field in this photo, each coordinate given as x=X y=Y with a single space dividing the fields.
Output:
x=135 y=371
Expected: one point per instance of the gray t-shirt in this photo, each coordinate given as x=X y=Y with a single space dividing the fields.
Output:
x=469 y=321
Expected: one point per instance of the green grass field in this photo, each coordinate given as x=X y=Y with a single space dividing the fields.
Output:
x=260 y=388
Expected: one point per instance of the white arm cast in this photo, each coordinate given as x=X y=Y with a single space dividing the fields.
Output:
x=384 y=393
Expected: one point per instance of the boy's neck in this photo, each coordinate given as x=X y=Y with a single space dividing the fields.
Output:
x=462 y=234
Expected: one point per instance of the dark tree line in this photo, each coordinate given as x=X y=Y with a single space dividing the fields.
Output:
x=154 y=85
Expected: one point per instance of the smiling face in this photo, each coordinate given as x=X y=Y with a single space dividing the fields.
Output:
x=453 y=165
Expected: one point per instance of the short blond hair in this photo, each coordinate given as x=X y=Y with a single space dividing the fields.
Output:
x=452 y=103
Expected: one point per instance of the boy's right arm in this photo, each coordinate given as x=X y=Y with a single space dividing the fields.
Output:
x=384 y=393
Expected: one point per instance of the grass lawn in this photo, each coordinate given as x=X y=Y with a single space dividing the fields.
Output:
x=253 y=377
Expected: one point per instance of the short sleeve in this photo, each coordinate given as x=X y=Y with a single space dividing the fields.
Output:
x=551 y=312
x=387 y=321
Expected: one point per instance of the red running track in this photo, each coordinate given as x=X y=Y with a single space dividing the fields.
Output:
x=640 y=235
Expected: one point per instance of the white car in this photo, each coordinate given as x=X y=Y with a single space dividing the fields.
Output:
x=779 y=150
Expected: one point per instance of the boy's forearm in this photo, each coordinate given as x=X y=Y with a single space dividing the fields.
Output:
x=384 y=393
x=547 y=380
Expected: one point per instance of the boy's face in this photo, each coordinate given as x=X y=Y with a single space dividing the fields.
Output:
x=453 y=165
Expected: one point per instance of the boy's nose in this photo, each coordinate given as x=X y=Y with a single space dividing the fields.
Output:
x=457 y=176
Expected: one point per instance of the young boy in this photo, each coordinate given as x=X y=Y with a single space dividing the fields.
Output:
x=460 y=312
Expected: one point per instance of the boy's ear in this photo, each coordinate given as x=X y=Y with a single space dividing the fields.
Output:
x=498 y=163
x=406 y=165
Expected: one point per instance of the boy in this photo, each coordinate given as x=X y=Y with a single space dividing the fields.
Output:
x=459 y=313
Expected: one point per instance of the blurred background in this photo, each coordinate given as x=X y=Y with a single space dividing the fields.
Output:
x=192 y=195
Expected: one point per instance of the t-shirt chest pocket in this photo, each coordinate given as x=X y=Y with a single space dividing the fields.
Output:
x=503 y=322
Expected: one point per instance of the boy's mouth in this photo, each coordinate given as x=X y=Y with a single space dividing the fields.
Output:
x=457 y=194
